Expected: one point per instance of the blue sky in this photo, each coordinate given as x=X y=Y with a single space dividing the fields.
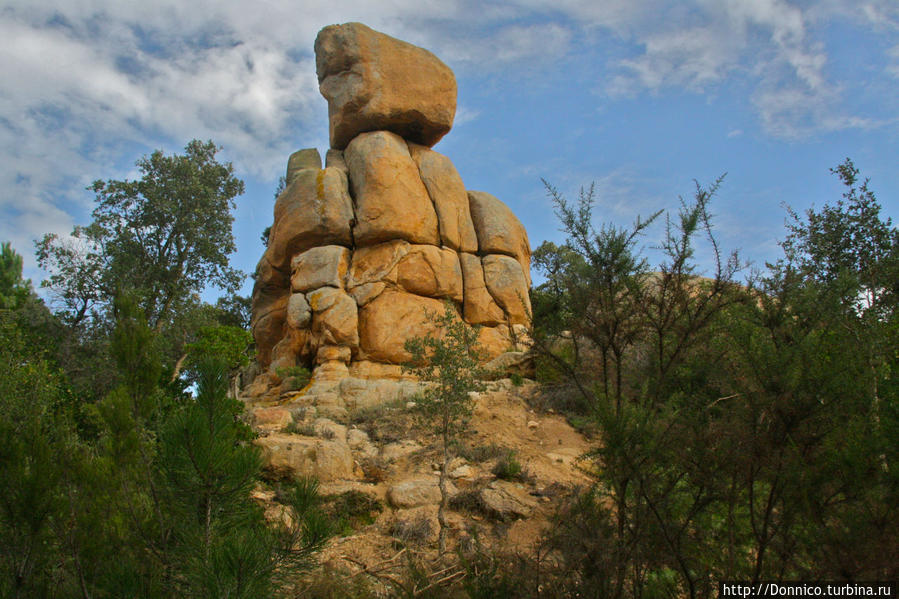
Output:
x=639 y=96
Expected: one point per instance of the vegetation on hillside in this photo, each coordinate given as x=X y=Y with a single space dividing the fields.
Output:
x=744 y=430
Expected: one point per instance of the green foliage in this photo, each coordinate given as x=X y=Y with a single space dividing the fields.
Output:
x=352 y=510
x=234 y=311
x=508 y=467
x=295 y=377
x=14 y=290
x=34 y=436
x=479 y=453
x=230 y=344
x=163 y=238
x=847 y=239
x=745 y=431
x=451 y=362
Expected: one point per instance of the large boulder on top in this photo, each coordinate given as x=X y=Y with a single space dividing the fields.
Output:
x=375 y=82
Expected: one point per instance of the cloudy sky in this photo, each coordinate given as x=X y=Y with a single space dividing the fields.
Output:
x=641 y=97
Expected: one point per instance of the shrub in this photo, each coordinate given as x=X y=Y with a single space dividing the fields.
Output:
x=415 y=531
x=352 y=510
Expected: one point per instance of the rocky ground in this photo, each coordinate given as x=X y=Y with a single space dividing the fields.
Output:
x=514 y=467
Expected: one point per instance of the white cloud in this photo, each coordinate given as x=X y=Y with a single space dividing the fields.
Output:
x=689 y=58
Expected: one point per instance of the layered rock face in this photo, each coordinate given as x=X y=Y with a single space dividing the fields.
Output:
x=363 y=249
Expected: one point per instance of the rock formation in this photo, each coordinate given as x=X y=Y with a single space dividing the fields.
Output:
x=362 y=250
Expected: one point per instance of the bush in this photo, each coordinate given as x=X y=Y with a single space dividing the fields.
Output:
x=479 y=453
x=293 y=378
x=415 y=531
x=352 y=510
x=508 y=467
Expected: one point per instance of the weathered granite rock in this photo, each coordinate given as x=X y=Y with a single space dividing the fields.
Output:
x=499 y=231
x=492 y=341
x=375 y=82
x=430 y=271
x=315 y=209
x=323 y=266
x=391 y=200
x=376 y=263
x=416 y=492
x=392 y=318
x=508 y=286
x=302 y=160
x=478 y=307
x=366 y=292
x=334 y=317
x=399 y=449
x=272 y=419
x=507 y=500
x=267 y=324
x=328 y=429
x=291 y=456
x=361 y=251
x=299 y=312
x=447 y=191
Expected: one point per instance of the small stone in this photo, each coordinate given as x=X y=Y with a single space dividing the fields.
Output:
x=507 y=500
x=416 y=492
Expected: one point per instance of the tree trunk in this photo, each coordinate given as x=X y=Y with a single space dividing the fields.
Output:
x=444 y=497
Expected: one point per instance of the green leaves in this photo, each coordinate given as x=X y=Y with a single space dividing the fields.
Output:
x=162 y=238
x=450 y=359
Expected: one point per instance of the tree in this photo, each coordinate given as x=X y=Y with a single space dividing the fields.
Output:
x=637 y=350
x=32 y=437
x=13 y=289
x=450 y=361
x=753 y=433
x=163 y=237
x=848 y=239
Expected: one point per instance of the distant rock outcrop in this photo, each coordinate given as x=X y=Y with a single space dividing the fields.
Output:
x=362 y=249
